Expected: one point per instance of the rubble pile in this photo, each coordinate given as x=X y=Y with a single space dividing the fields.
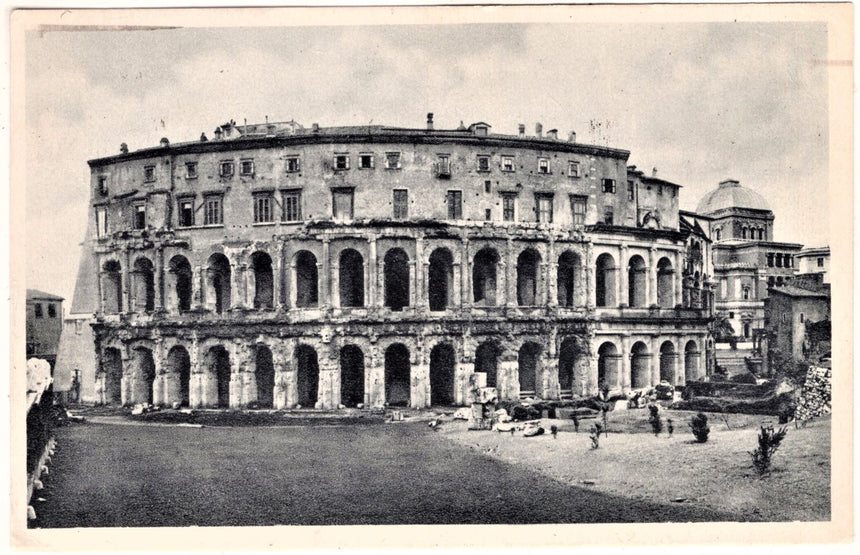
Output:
x=815 y=396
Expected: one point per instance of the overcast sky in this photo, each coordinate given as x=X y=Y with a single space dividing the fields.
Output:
x=701 y=102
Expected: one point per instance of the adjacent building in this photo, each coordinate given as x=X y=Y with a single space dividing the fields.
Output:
x=798 y=318
x=44 y=325
x=815 y=260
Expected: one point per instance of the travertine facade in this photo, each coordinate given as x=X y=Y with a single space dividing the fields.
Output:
x=280 y=266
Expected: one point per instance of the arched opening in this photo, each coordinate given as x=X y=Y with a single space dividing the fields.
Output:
x=527 y=362
x=143 y=375
x=640 y=369
x=668 y=360
x=665 y=279
x=442 y=365
x=396 y=272
x=397 y=370
x=307 y=280
x=264 y=292
x=605 y=280
x=568 y=278
x=112 y=369
x=308 y=375
x=264 y=373
x=746 y=330
x=218 y=280
x=351 y=274
x=608 y=365
x=691 y=361
x=351 y=376
x=180 y=272
x=636 y=281
x=484 y=277
x=571 y=374
x=528 y=263
x=487 y=361
x=112 y=286
x=440 y=288
x=178 y=376
x=144 y=285
x=218 y=365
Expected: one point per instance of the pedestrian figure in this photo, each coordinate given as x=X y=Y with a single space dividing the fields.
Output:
x=670 y=426
x=575 y=422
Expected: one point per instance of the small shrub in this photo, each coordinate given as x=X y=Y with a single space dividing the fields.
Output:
x=769 y=441
x=655 y=420
x=670 y=426
x=575 y=422
x=699 y=425
x=744 y=378
x=595 y=436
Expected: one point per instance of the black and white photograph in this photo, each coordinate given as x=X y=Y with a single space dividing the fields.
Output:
x=296 y=269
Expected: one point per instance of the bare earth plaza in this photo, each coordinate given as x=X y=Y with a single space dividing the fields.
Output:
x=432 y=321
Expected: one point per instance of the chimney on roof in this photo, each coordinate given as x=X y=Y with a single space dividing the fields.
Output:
x=429 y=121
x=522 y=129
x=217 y=133
x=654 y=172
x=552 y=134
x=315 y=127
x=203 y=138
x=539 y=130
x=123 y=148
x=572 y=137
x=164 y=142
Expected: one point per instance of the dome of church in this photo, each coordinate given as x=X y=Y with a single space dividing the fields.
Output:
x=730 y=194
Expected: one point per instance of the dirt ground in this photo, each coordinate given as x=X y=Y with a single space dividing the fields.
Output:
x=716 y=475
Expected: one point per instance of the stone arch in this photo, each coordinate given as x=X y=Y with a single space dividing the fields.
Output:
x=637 y=281
x=569 y=267
x=181 y=279
x=605 y=285
x=306 y=279
x=351 y=278
x=443 y=364
x=608 y=365
x=528 y=367
x=142 y=374
x=351 y=375
x=397 y=375
x=640 y=367
x=218 y=368
x=528 y=265
x=178 y=376
x=219 y=289
x=665 y=283
x=307 y=375
x=668 y=362
x=487 y=357
x=112 y=370
x=691 y=361
x=264 y=282
x=143 y=279
x=440 y=286
x=112 y=286
x=264 y=376
x=572 y=367
x=485 y=277
x=396 y=278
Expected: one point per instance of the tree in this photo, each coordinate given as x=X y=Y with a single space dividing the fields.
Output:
x=722 y=330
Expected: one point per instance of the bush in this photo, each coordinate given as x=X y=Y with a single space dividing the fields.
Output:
x=654 y=419
x=699 y=425
x=744 y=378
x=768 y=442
x=595 y=435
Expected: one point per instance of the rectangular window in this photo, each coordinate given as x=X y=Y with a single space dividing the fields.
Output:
x=190 y=170
x=292 y=206
x=631 y=192
x=608 y=185
x=573 y=169
x=341 y=161
x=365 y=161
x=483 y=163
x=443 y=165
x=37 y=308
x=401 y=204
x=246 y=167
x=342 y=205
x=543 y=165
x=52 y=311
x=488 y=186
x=264 y=208
x=392 y=160
x=820 y=262
x=507 y=163
x=149 y=173
x=578 y=206
x=101 y=221
x=455 y=205
x=186 y=212
x=103 y=188
x=212 y=210
x=488 y=215
x=293 y=165
x=226 y=168
x=79 y=327
x=608 y=215
x=139 y=211
x=544 y=209
x=509 y=210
